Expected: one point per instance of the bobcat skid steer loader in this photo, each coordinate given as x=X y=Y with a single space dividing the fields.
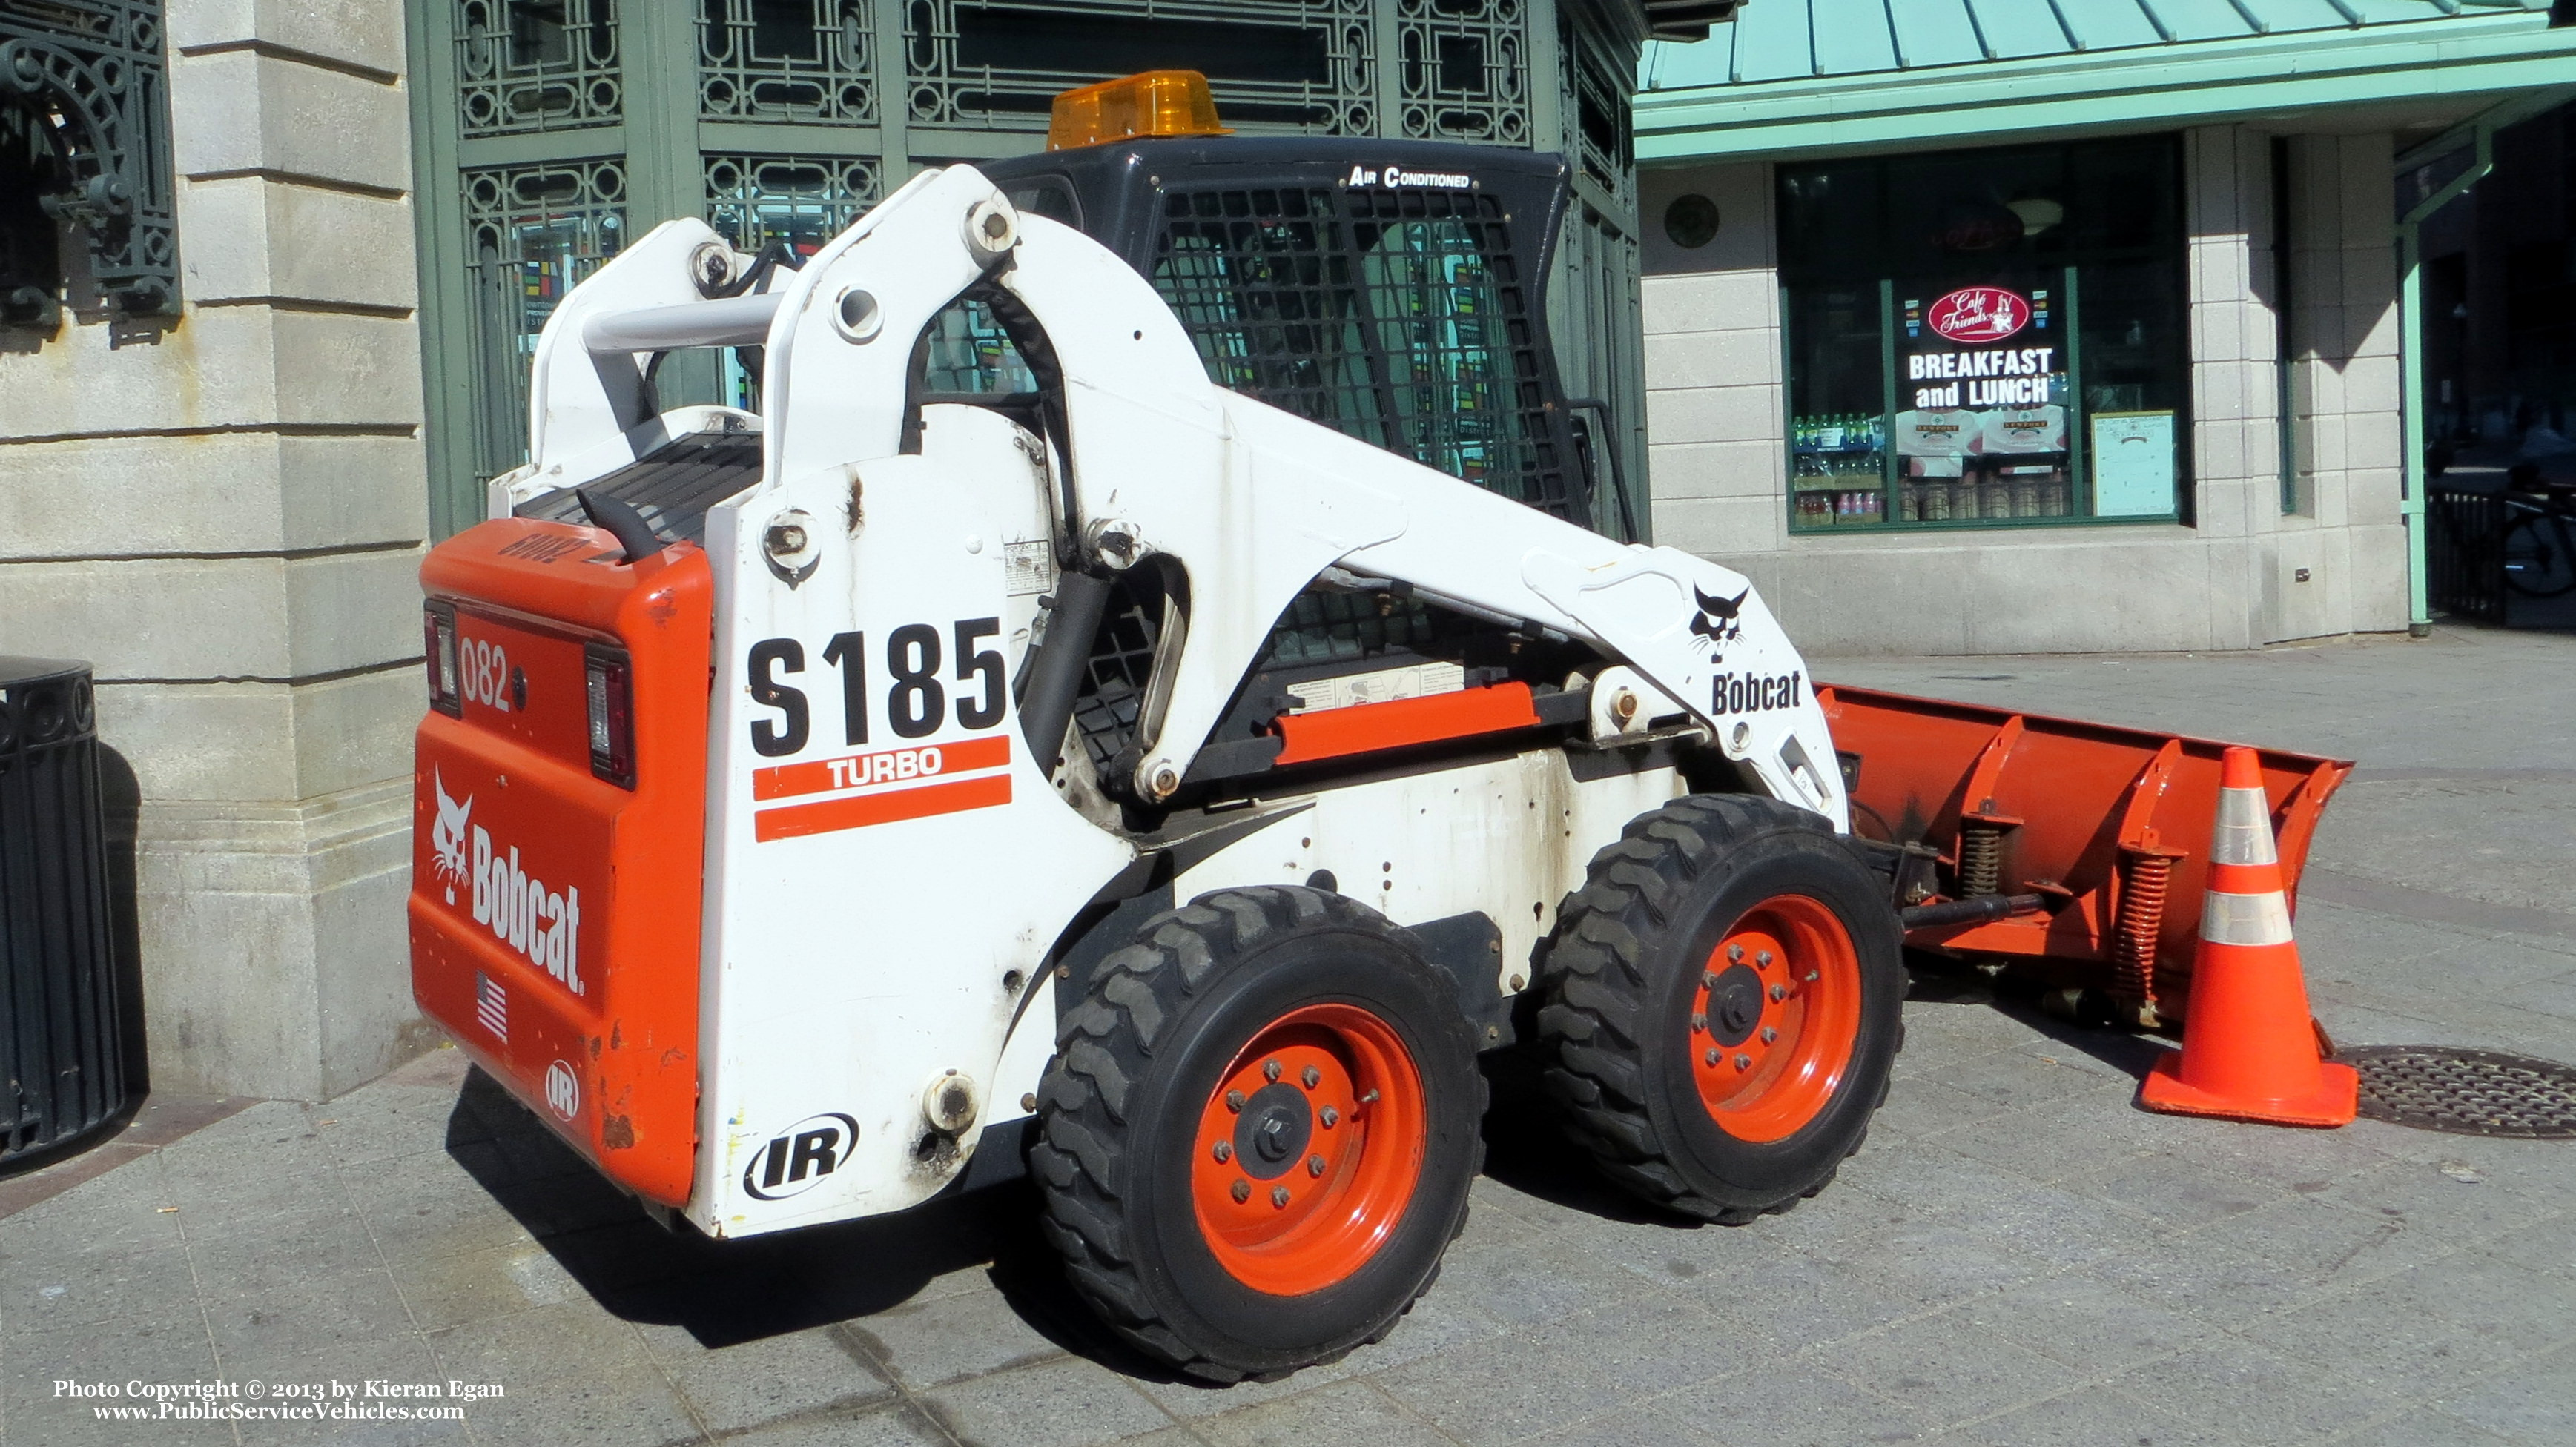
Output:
x=1152 y=680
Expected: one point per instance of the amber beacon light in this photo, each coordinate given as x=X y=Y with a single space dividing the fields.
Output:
x=1149 y=103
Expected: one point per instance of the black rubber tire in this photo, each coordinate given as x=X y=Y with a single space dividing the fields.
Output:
x=1135 y=1063
x=1616 y=986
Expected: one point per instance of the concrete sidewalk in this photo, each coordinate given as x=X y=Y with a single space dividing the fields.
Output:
x=2018 y=1256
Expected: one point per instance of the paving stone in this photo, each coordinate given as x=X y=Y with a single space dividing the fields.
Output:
x=883 y=1427
x=1948 y=1368
x=571 y=1373
x=2420 y=1428
x=1340 y=1414
x=2014 y=1078
x=1544 y=1281
x=2090 y=1325
x=966 y=1335
x=1678 y=1420
x=2173 y=1189
x=1438 y=1321
x=2203 y=1280
x=1920 y=1108
x=277 y=1321
x=1787 y=1301
x=799 y=1374
x=1501 y=1390
x=353 y=1364
x=1066 y=1402
x=445 y=1291
x=1928 y=1264
x=1798 y=1403
x=2089 y=1416
x=161 y=1349
x=2253 y=1395
x=252 y=1254
x=74 y=1289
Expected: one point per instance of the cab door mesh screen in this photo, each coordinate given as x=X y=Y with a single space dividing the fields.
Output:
x=1397 y=317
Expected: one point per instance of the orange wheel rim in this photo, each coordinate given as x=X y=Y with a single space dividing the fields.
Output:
x=1308 y=1149
x=1773 y=1017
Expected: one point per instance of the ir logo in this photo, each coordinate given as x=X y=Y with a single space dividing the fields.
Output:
x=799 y=1156
x=563 y=1090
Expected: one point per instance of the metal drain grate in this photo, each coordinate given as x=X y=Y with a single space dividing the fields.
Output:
x=2465 y=1092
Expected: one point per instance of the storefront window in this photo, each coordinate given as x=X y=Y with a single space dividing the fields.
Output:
x=1986 y=337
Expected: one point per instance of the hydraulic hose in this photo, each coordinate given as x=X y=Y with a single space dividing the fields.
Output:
x=1055 y=675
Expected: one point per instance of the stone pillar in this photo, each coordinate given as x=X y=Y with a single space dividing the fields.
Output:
x=225 y=515
x=2347 y=386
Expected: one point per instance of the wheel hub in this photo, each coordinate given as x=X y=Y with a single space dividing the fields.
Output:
x=1773 y=1018
x=1308 y=1149
x=1273 y=1130
x=1734 y=1005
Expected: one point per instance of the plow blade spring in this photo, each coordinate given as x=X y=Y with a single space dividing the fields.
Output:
x=2108 y=826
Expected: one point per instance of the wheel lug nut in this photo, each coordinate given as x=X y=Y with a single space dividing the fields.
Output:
x=1779 y=992
x=1223 y=1151
x=1809 y=977
x=1744 y=1062
x=1735 y=954
x=1708 y=979
x=1242 y=1190
x=1763 y=960
x=1698 y=1023
x=1712 y=1055
x=1769 y=1034
x=1314 y=1165
x=1278 y=1197
x=1270 y=1070
x=1332 y=1117
x=1234 y=1101
x=1311 y=1077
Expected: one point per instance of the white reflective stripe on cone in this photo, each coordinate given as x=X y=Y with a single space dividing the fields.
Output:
x=2244 y=919
x=2244 y=829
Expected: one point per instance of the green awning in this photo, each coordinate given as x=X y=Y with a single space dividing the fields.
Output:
x=1803 y=77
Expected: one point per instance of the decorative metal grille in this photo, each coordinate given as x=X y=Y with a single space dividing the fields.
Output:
x=533 y=233
x=1600 y=138
x=1462 y=71
x=786 y=60
x=1360 y=309
x=536 y=65
x=803 y=201
x=1274 y=65
x=85 y=139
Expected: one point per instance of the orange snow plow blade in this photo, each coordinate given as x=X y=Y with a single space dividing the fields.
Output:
x=2107 y=827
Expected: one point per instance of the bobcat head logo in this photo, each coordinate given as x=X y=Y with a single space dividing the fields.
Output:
x=1717 y=621
x=447 y=836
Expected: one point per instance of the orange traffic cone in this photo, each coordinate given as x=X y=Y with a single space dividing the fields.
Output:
x=2249 y=1048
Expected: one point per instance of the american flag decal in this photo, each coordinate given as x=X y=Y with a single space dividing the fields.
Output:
x=492 y=1006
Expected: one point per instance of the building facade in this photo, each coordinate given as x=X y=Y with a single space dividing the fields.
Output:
x=2093 y=334
x=270 y=275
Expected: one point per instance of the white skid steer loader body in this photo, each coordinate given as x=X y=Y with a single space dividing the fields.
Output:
x=887 y=868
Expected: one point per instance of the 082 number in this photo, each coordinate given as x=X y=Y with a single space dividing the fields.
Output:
x=916 y=700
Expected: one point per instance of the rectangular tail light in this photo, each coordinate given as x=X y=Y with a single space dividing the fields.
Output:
x=609 y=681
x=438 y=645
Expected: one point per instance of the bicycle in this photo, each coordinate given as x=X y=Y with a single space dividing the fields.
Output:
x=2538 y=544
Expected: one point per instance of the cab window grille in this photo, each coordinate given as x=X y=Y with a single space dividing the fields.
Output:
x=1112 y=694
x=1397 y=317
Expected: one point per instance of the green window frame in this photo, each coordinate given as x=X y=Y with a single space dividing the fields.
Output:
x=1994 y=338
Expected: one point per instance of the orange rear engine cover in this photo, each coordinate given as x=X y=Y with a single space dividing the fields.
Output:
x=555 y=914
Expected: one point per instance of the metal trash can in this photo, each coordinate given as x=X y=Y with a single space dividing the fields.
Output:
x=62 y=1042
